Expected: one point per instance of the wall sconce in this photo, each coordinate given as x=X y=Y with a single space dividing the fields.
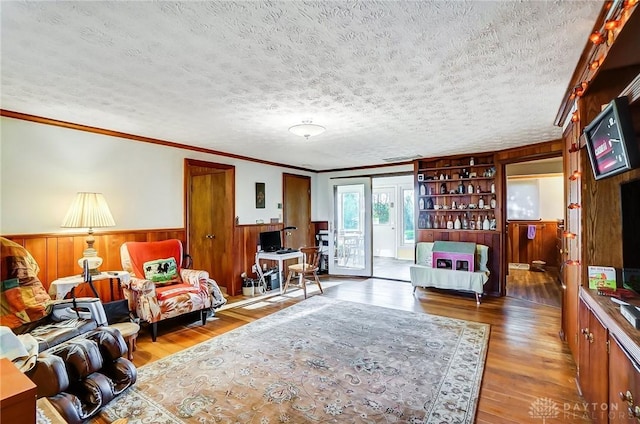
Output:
x=594 y=65
x=575 y=175
x=572 y=262
x=574 y=206
x=569 y=235
x=580 y=89
x=611 y=24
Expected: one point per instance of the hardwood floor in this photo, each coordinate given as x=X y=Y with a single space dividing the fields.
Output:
x=526 y=360
x=535 y=286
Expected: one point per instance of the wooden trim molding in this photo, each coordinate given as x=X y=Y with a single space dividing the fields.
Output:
x=102 y=131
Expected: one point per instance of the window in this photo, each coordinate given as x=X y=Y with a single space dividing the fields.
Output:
x=381 y=208
x=408 y=230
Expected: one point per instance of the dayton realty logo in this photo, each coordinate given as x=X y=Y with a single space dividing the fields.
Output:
x=544 y=408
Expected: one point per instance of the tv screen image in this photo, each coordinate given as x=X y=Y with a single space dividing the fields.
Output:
x=270 y=241
x=611 y=141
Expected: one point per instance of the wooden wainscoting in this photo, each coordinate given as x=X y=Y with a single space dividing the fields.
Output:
x=543 y=246
x=58 y=254
x=246 y=240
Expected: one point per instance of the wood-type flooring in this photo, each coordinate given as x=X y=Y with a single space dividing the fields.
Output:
x=529 y=375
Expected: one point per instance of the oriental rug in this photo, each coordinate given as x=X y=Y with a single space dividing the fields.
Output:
x=319 y=361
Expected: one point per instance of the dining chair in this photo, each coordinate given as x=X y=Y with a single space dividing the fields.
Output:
x=309 y=267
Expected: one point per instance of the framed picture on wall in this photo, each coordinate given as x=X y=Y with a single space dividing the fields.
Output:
x=260 y=196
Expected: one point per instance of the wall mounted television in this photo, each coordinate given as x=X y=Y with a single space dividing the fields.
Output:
x=270 y=241
x=611 y=141
x=630 y=205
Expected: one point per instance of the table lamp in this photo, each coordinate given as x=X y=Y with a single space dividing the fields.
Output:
x=89 y=210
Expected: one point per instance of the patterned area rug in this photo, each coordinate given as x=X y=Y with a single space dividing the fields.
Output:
x=319 y=361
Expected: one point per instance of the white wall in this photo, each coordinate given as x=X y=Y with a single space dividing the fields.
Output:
x=43 y=166
x=547 y=203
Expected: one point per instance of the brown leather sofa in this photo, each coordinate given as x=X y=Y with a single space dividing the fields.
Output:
x=81 y=375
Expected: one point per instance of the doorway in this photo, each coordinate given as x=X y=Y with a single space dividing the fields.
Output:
x=210 y=218
x=296 y=194
x=393 y=226
x=534 y=216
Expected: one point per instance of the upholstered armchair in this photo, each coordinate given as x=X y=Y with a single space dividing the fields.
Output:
x=160 y=288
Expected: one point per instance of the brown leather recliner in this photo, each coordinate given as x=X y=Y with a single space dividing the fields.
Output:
x=80 y=365
x=83 y=374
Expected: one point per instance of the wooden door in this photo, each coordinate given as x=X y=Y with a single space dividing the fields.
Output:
x=210 y=212
x=297 y=211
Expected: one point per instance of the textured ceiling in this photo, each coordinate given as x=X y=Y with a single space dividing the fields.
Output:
x=386 y=78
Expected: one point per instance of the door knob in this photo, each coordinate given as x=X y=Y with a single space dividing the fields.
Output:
x=210 y=236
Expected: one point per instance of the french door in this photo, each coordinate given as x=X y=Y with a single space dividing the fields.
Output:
x=350 y=228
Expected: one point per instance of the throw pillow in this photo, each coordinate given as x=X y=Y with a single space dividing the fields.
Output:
x=162 y=271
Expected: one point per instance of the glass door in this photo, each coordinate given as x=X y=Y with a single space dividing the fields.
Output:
x=350 y=228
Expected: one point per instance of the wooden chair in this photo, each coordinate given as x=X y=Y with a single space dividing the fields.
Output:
x=309 y=266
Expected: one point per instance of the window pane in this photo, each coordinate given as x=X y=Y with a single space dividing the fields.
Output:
x=407 y=217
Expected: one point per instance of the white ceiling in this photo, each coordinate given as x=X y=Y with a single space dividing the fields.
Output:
x=386 y=78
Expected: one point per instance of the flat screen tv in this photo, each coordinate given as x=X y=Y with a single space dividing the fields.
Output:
x=630 y=205
x=270 y=241
x=611 y=141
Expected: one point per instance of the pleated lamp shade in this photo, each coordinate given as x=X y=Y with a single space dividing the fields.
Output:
x=89 y=210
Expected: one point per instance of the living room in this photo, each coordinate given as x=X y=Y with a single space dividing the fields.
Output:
x=50 y=152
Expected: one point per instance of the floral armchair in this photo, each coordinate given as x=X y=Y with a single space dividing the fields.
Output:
x=160 y=288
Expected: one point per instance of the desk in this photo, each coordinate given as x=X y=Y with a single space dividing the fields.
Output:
x=273 y=256
x=62 y=286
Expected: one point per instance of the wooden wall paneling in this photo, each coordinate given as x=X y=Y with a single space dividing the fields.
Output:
x=542 y=247
x=57 y=254
x=531 y=152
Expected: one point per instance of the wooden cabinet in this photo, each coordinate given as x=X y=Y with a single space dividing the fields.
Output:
x=608 y=361
x=457 y=194
x=624 y=385
x=17 y=395
x=593 y=367
x=454 y=187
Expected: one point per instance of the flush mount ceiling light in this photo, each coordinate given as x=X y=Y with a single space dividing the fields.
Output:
x=307 y=129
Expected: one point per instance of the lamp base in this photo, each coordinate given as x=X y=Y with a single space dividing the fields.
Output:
x=93 y=260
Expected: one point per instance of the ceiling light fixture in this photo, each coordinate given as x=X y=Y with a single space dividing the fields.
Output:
x=307 y=129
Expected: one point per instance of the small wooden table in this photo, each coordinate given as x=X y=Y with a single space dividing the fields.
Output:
x=17 y=395
x=129 y=331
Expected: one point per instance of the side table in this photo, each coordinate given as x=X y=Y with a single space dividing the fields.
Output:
x=129 y=331
x=17 y=395
x=62 y=286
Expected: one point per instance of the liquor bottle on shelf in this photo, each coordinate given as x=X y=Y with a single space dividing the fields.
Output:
x=486 y=225
x=457 y=225
x=443 y=222
x=479 y=223
x=493 y=188
x=428 y=223
x=443 y=188
x=478 y=189
x=492 y=224
x=470 y=188
x=429 y=203
x=422 y=222
x=423 y=190
x=492 y=202
x=421 y=204
x=472 y=223
x=472 y=161
x=465 y=222
x=435 y=225
x=450 y=223
x=460 y=188
x=481 y=203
